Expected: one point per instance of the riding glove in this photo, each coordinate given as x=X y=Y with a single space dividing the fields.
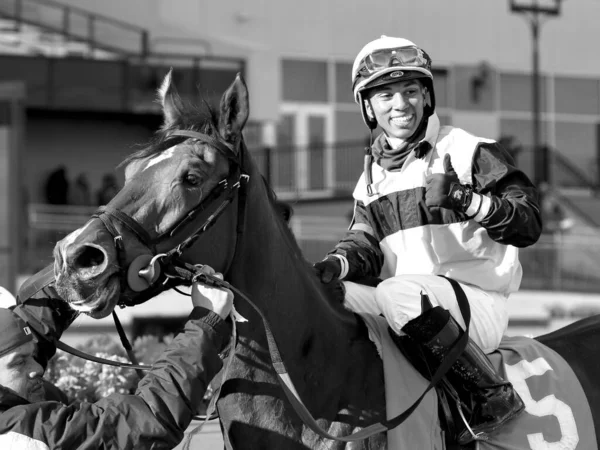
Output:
x=328 y=269
x=445 y=191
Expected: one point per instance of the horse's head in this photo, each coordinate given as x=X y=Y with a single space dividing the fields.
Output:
x=171 y=187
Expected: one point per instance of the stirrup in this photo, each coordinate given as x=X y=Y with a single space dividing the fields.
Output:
x=481 y=436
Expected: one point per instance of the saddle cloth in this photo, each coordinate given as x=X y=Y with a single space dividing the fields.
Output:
x=557 y=415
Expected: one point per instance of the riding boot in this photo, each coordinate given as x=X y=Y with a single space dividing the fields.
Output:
x=496 y=402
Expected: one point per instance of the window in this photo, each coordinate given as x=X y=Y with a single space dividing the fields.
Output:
x=304 y=81
x=343 y=83
x=304 y=160
x=352 y=138
x=516 y=94
x=576 y=96
x=440 y=85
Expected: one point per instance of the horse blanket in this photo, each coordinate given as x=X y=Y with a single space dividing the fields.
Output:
x=557 y=414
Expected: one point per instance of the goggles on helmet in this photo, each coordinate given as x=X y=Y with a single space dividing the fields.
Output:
x=392 y=57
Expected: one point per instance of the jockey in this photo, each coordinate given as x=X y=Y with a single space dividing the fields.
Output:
x=434 y=200
x=155 y=417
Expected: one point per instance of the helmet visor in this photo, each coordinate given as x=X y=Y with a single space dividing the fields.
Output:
x=394 y=57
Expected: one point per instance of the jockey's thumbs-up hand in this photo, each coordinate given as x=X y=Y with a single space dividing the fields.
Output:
x=219 y=300
x=444 y=190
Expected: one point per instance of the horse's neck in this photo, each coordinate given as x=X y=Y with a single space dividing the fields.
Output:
x=312 y=332
x=276 y=277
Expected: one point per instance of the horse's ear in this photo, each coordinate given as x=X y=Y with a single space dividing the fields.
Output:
x=234 y=110
x=170 y=100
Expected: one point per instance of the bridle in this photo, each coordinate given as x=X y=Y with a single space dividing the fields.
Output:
x=163 y=268
x=168 y=267
x=165 y=264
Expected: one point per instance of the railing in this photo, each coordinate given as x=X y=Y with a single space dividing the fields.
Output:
x=123 y=77
x=77 y=24
x=304 y=172
x=559 y=262
x=563 y=169
x=567 y=168
x=562 y=262
x=117 y=86
x=300 y=172
x=61 y=218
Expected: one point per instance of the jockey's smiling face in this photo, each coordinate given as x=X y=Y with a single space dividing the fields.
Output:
x=21 y=373
x=397 y=107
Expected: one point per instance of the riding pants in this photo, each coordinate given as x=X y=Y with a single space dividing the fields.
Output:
x=398 y=299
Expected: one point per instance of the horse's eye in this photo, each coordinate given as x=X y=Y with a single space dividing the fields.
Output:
x=192 y=179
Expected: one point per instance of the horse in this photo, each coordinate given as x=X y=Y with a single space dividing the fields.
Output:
x=179 y=179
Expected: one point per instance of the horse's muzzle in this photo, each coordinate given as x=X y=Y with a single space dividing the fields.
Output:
x=87 y=261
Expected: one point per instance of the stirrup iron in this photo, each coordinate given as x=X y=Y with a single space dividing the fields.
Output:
x=481 y=436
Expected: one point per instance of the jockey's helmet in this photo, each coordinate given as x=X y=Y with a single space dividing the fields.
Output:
x=388 y=60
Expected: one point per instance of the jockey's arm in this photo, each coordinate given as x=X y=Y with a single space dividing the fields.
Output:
x=360 y=247
x=510 y=210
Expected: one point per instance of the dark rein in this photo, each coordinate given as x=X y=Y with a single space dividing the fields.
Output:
x=172 y=267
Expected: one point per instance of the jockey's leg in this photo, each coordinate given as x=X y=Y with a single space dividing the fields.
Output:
x=399 y=300
x=360 y=298
x=438 y=328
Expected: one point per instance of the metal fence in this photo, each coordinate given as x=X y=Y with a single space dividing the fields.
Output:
x=313 y=170
x=336 y=167
x=557 y=262
x=565 y=261
x=562 y=262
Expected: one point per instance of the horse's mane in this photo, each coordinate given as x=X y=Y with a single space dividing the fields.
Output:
x=201 y=119
x=333 y=291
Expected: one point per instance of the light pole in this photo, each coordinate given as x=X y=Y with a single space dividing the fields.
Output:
x=533 y=9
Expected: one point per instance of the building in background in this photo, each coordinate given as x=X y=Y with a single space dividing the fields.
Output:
x=91 y=70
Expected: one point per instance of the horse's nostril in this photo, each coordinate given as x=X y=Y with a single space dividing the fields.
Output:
x=88 y=257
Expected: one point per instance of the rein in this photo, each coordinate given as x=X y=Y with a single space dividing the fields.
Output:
x=166 y=260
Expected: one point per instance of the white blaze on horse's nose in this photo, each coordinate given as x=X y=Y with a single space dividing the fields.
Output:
x=163 y=156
